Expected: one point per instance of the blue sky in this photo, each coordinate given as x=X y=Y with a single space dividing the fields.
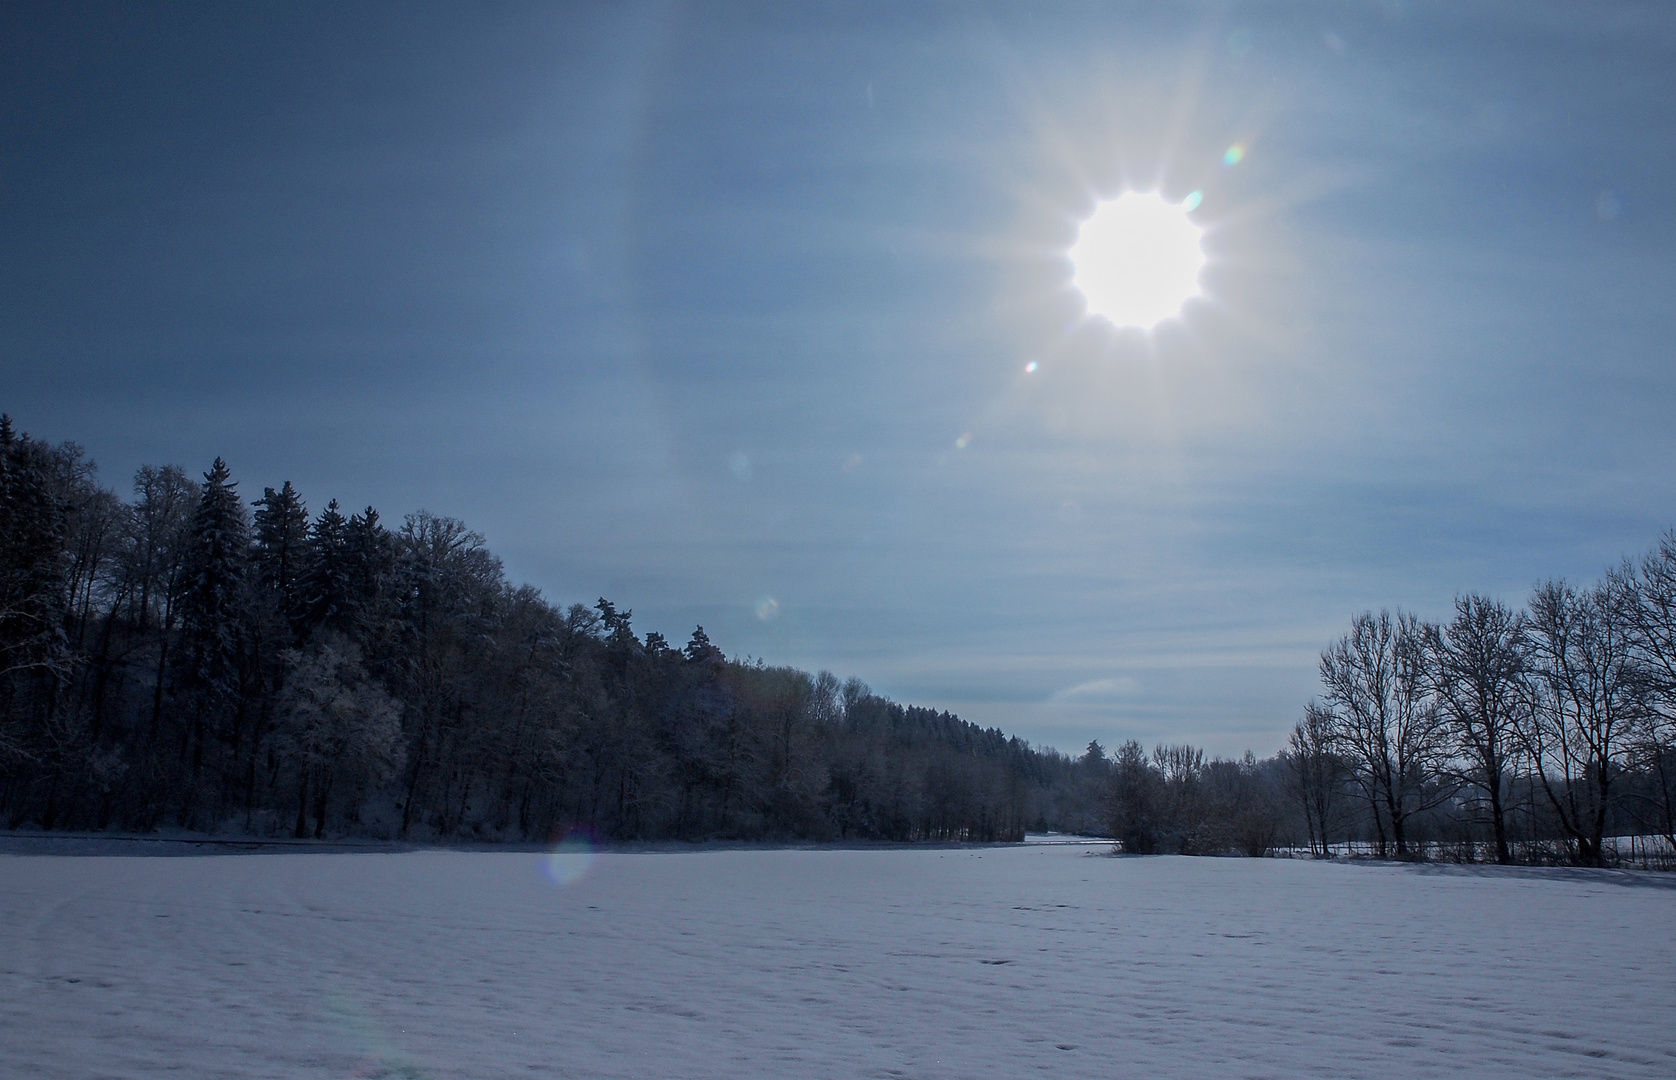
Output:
x=702 y=306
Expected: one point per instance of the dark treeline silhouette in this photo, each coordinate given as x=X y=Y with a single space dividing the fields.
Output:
x=1546 y=735
x=185 y=660
x=1177 y=802
x=1536 y=735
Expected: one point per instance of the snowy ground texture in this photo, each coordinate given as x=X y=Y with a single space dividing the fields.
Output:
x=993 y=962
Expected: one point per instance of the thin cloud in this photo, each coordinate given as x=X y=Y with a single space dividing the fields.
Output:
x=1094 y=691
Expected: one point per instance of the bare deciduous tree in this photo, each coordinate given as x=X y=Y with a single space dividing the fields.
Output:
x=1588 y=703
x=1317 y=775
x=1182 y=808
x=1654 y=615
x=1475 y=669
x=1386 y=728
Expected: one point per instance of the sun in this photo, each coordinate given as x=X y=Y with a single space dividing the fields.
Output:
x=1137 y=259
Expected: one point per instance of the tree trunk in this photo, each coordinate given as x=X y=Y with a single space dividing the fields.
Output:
x=413 y=781
x=301 y=829
x=1498 y=821
x=157 y=690
x=322 y=799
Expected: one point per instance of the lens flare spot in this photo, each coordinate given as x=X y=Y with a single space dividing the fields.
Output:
x=1233 y=155
x=964 y=441
x=768 y=609
x=1030 y=368
x=740 y=465
x=1191 y=203
x=569 y=860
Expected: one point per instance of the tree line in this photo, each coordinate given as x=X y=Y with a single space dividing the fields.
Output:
x=185 y=659
x=1539 y=734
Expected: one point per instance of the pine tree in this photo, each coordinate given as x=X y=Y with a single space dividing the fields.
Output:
x=371 y=558
x=699 y=649
x=214 y=621
x=325 y=588
x=619 y=636
x=281 y=526
x=34 y=533
x=213 y=605
x=215 y=584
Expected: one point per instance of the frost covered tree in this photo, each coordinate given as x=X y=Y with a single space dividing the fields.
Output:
x=447 y=582
x=336 y=727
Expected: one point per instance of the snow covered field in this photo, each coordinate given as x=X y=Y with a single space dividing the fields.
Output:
x=992 y=962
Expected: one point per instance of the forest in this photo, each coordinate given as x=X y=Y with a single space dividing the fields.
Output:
x=188 y=659
x=183 y=659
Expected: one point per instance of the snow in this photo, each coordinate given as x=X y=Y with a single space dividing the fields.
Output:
x=1042 y=959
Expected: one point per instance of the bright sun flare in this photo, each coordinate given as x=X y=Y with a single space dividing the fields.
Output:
x=1137 y=259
